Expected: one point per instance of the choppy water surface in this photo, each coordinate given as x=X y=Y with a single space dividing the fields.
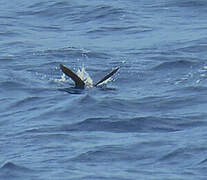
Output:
x=148 y=122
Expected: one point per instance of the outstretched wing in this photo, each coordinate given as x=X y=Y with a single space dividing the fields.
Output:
x=78 y=81
x=107 y=76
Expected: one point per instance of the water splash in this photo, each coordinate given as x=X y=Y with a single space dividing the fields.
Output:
x=85 y=77
x=62 y=79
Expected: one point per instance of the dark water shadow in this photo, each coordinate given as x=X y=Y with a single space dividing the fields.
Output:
x=105 y=88
x=72 y=90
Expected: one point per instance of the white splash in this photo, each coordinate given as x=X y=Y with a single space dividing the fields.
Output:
x=85 y=77
x=62 y=79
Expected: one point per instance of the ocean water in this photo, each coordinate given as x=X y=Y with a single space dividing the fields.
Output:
x=148 y=122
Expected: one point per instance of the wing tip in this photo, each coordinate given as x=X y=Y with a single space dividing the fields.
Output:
x=79 y=83
x=107 y=76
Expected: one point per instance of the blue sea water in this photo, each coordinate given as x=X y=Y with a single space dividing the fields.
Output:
x=149 y=122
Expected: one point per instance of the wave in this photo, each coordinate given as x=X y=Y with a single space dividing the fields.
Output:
x=176 y=155
x=139 y=124
x=67 y=10
x=46 y=9
x=194 y=48
x=100 y=154
x=72 y=52
x=117 y=29
x=14 y=167
x=189 y=3
x=12 y=171
x=28 y=101
x=203 y=161
x=11 y=85
x=99 y=13
x=190 y=89
x=145 y=124
x=178 y=64
x=8 y=34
